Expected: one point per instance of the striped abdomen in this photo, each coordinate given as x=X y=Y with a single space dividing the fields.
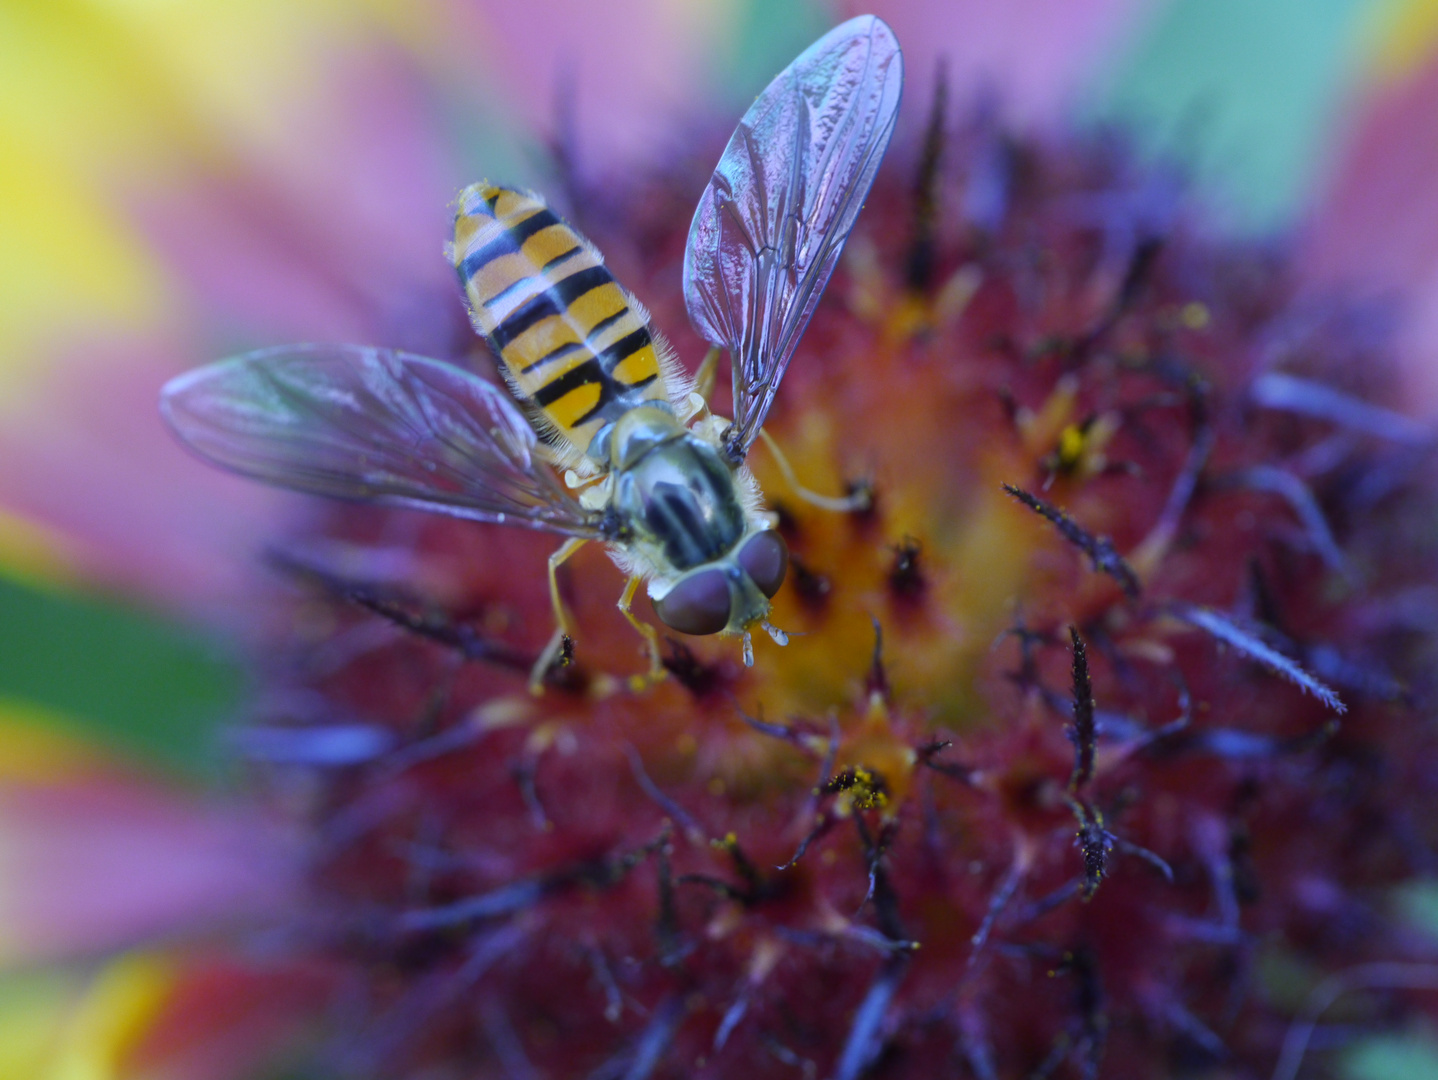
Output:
x=542 y=298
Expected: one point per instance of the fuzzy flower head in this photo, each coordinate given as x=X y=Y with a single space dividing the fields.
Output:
x=1096 y=736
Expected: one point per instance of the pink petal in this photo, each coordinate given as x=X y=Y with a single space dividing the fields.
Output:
x=319 y=238
x=628 y=64
x=91 y=460
x=633 y=64
x=1034 y=54
x=1377 y=225
x=340 y=237
x=98 y=862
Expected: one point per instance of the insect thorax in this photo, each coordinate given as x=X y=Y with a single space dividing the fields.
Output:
x=673 y=490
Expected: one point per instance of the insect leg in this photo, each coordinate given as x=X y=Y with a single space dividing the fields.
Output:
x=708 y=374
x=859 y=500
x=562 y=626
x=704 y=381
x=656 y=666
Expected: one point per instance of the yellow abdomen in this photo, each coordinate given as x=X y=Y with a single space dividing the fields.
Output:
x=568 y=337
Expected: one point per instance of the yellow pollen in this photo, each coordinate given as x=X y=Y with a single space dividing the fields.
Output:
x=1071 y=445
x=1195 y=316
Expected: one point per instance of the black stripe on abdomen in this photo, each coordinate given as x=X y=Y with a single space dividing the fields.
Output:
x=555 y=300
x=507 y=242
x=558 y=353
x=609 y=358
x=611 y=400
x=630 y=343
x=573 y=379
x=552 y=263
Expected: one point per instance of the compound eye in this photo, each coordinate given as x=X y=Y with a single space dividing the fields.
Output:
x=698 y=604
x=765 y=558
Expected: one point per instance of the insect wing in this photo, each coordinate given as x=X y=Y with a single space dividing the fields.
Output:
x=366 y=423
x=771 y=224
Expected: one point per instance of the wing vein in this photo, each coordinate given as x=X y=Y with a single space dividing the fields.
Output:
x=773 y=220
x=364 y=423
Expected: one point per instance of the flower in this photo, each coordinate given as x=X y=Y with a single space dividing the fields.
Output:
x=586 y=882
x=1101 y=715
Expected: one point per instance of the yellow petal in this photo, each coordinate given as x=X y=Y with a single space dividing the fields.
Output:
x=33 y=553
x=1404 y=33
x=36 y=749
x=34 y=1008
x=59 y=1026
x=114 y=1014
x=68 y=261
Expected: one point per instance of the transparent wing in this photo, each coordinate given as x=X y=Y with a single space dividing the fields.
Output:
x=781 y=203
x=365 y=423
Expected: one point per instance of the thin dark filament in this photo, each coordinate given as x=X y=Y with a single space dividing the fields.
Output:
x=1099 y=549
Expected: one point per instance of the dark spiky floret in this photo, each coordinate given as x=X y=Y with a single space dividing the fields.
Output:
x=1099 y=549
x=1085 y=729
x=888 y=877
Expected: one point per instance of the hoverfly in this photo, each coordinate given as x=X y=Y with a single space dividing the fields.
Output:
x=648 y=470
